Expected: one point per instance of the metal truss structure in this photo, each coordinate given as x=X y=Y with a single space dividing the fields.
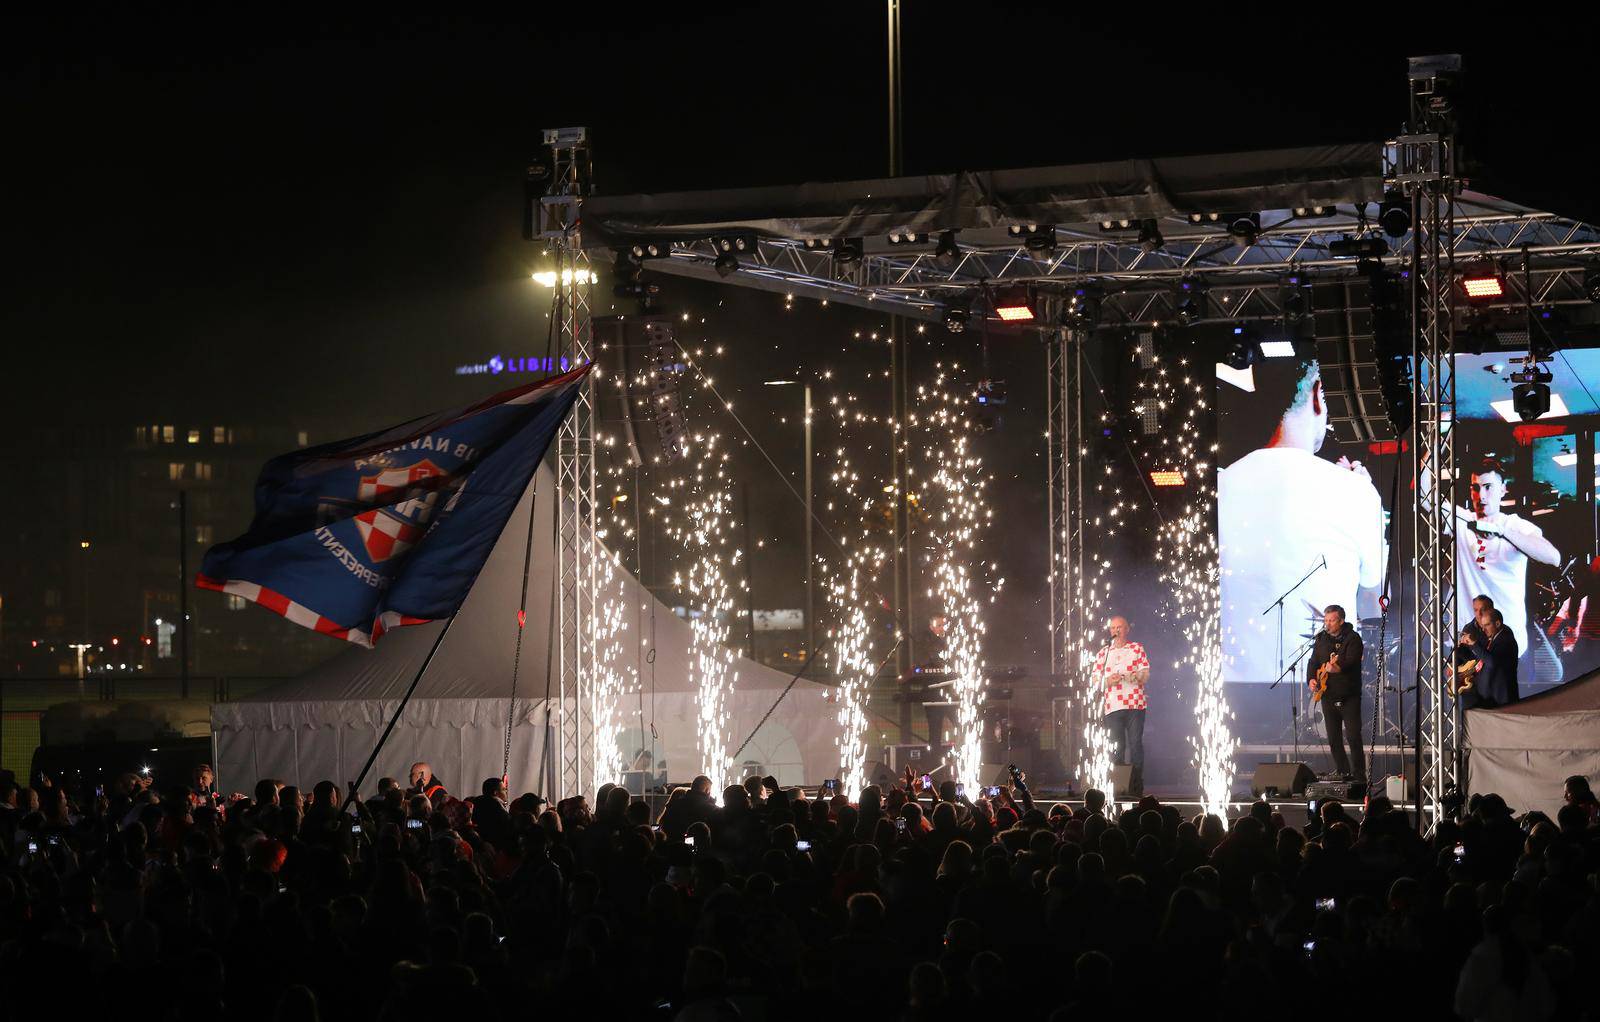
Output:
x=577 y=547
x=1424 y=165
x=1143 y=287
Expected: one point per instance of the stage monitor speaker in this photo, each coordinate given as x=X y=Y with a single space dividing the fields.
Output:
x=1281 y=779
x=1125 y=781
x=878 y=773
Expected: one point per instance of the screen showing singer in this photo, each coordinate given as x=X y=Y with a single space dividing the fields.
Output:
x=1300 y=525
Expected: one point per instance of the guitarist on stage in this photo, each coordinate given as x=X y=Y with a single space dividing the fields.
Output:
x=1334 y=673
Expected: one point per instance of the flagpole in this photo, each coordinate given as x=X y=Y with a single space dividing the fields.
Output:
x=355 y=786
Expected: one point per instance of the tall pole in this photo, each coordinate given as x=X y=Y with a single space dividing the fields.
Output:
x=811 y=621
x=183 y=592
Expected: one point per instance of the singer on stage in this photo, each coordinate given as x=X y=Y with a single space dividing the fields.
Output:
x=1282 y=511
x=1338 y=645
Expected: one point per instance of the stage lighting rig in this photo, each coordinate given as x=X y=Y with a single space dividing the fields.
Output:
x=948 y=253
x=1368 y=246
x=1014 y=304
x=1591 y=283
x=651 y=249
x=1314 y=212
x=1150 y=238
x=1035 y=237
x=1531 y=395
x=736 y=244
x=1117 y=224
x=1394 y=216
x=1243 y=351
x=1083 y=308
x=848 y=251
x=1482 y=284
x=1191 y=301
x=1243 y=228
x=727 y=264
x=956 y=315
x=908 y=238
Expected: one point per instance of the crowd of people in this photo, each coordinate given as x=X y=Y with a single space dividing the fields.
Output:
x=759 y=902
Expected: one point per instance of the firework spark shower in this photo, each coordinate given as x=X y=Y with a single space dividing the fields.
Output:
x=958 y=517
x=613 y=678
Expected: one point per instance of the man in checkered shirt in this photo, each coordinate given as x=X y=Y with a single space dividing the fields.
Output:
x=1122 y=669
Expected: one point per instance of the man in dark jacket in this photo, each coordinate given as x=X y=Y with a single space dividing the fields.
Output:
x=1495 y=649
x=490 y=815
x=1339 y=645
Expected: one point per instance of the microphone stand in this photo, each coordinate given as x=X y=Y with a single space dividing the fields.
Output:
x=1294 y=704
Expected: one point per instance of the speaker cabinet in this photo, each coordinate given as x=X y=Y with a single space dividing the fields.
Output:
x=1281 y=779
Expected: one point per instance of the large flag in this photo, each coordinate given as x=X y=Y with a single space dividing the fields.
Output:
x=391 y=528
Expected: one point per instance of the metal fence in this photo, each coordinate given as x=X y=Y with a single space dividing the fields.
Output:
x=23 y=701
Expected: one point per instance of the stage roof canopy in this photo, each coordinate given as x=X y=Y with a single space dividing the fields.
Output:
x=1303 y=200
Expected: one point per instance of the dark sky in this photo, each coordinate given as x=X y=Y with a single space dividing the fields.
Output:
x=312 y=220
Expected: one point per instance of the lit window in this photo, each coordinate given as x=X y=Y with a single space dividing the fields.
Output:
x=138 y=434
x=202 y=534
x=237 y=602
x=52 y=597
x=202 y=470
x=303 y=438
x=219 y=435
x=194 y=436
x=168 y=434
x=175 y=471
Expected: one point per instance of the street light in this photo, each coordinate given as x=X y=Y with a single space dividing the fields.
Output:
x=811 y=630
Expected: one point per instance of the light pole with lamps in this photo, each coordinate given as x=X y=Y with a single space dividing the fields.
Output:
x=811 y=629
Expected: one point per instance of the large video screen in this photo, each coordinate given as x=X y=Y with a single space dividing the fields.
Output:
x=1302 y=515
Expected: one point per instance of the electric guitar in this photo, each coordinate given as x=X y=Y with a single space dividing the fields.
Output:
x=1466 y=673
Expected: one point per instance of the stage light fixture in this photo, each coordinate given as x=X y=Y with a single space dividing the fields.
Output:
x=1309 y=212
x=1243 y=228
x=1204 y=218
x=650 y=249
x=1035 y=237
x=821 y=244
x=1368 y=246
x=1483 y=284
x=948 y=253
x=1591 y=283
x=737 y=244
x=1083 y=308
x=727 y=264
x=1166 y=477
x=1150 y=238
x=1191 y=301
x=1014 y=305
x=1394 y=216
x=1278 y=349
x=956 y=315
x=1530 y=398
x=908 y=238
x=848 y=251
x=1116 y=224
x=1242 y=351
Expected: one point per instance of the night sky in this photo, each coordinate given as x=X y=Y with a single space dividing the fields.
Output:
x=312 y=221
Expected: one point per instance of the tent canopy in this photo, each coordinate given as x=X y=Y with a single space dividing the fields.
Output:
x=1525 y=751
x=323 y=724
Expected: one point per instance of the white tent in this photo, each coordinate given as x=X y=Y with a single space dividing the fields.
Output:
x=323 y=725
x=1526 y=750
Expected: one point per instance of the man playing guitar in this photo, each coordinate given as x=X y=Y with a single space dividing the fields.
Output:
x=1334 y=674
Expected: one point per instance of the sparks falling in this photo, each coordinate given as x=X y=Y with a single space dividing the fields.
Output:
x=613 y=679
x=704 y=528
x=957 y=518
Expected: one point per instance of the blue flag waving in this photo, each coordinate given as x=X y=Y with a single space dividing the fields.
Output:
x=391 y=528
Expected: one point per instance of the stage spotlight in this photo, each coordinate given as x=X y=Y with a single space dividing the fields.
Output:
x=948 y=253
x=818 y=243
x=848 y=251
x=1591 y=283
x=1243 y=227
x=1204 y=218
x=1083 y=308
x=1394 y=216
x=1483 y=284
x=1243 y=351
x=1309 y=212
x=650 y=249
x=907 y=238
x=1013 y=304
x=1191 y=301
x=1035 y=237
x=1368 y=246
x=1150 y=238
x=727 y=264
x=736 y=244
x=956 y=315
x=1116 y=224
x=1531 y=395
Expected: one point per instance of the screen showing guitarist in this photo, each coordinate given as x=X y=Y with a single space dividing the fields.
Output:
x=1334 y=673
